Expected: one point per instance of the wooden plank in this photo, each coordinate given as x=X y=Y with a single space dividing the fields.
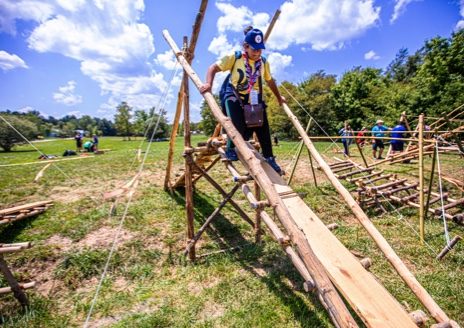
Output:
x=373 y=303
x=19 y=208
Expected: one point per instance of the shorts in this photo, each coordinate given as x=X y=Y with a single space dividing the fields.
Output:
x=397 y=146
x=378 y=144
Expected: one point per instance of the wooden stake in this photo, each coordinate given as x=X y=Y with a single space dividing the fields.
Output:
x=448 y=247
x=271 y=25
x=17 y=292
x=421 y=178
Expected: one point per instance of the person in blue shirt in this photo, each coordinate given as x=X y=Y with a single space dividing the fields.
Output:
x=378 y=132
x=95 y=142
x=398 y=132
x=346 y=132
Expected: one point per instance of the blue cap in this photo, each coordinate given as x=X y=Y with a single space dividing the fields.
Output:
x=255 y=39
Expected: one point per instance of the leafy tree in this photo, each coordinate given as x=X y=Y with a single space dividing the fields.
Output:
x=163 y=127
x=208 y=121
x=122 y=120
x=140 y=122
x=106 y=127
x=9 y=137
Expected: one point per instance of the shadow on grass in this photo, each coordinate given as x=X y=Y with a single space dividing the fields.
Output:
x=18 y=151
x=10 y=231
x=254 y=259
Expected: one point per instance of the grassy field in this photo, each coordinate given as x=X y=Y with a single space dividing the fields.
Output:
x=150 y=284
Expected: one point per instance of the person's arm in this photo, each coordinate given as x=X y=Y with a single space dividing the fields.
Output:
x=272 y=85
x=210 y=74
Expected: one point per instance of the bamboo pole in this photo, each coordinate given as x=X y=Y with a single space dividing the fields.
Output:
x=175 y=124
x=332 y=301
x=390 y=254
x=421 y=178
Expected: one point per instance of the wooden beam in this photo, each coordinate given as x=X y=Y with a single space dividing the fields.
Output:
x=383 y=245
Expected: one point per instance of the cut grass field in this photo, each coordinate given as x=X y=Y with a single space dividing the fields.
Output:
x=150 y=284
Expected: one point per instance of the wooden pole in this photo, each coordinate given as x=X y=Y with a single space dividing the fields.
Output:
x=421 y=177
x=432 y=172
x=388 y=251
x=362 y=154
x=188 y=165
x=175 y=124
x=300 y=148
x=332 y=300
x=271 y=25
x=258 y=214
x=312 y=168
x=17 y=292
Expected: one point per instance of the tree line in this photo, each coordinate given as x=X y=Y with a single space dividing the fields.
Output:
x=429 y=81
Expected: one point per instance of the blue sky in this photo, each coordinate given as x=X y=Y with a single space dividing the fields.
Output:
x=84 y=57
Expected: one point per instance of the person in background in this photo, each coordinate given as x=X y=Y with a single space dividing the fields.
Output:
x=88 y=146
x=245 y=88
x=346 y=132
x=95 y=142
x=378 y=132
x=359 y=137
x=276 y=140
x=398 y=132
x=78 y=138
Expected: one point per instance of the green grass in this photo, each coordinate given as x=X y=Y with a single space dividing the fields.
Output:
x=150 y=284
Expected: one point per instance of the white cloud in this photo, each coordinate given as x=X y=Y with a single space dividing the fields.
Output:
x=12 y=10
x=278 y=62
x=460 y=24
x=76 y=113
x=400 y=8
x=234 y=19
x=66 y=96
x=166 y=60
x=28 y=109
x=220 y=46
x=371 y=55
x=105 y=36
x=10 y=61
x=324 y=24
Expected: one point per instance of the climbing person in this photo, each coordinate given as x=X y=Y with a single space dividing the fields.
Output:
x=243 y=94
x=378 y=131
x=398 y=132
x=78 y=138
x=345 y=132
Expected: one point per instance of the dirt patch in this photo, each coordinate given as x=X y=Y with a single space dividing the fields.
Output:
x=211 y=310
x=103 y=237
x=62 y=244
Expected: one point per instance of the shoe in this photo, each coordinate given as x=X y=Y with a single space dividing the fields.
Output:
x=271 y=161
x=379 y=157
x=231 y=155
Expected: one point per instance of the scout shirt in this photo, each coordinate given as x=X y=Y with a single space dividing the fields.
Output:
x=238 y=76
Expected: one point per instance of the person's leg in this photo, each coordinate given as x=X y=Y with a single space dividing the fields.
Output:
x=345 y=148
x=381 y=147
x=374 y=148
x=264 y=137
x=235 y=112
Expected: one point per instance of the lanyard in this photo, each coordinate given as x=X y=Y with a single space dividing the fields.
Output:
x=251 y=76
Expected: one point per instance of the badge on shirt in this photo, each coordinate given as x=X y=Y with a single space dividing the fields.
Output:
x=253 y=97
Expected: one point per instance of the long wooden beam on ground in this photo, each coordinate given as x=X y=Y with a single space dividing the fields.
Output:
x=333 y=302
x=47 y=161
x=384 y=246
